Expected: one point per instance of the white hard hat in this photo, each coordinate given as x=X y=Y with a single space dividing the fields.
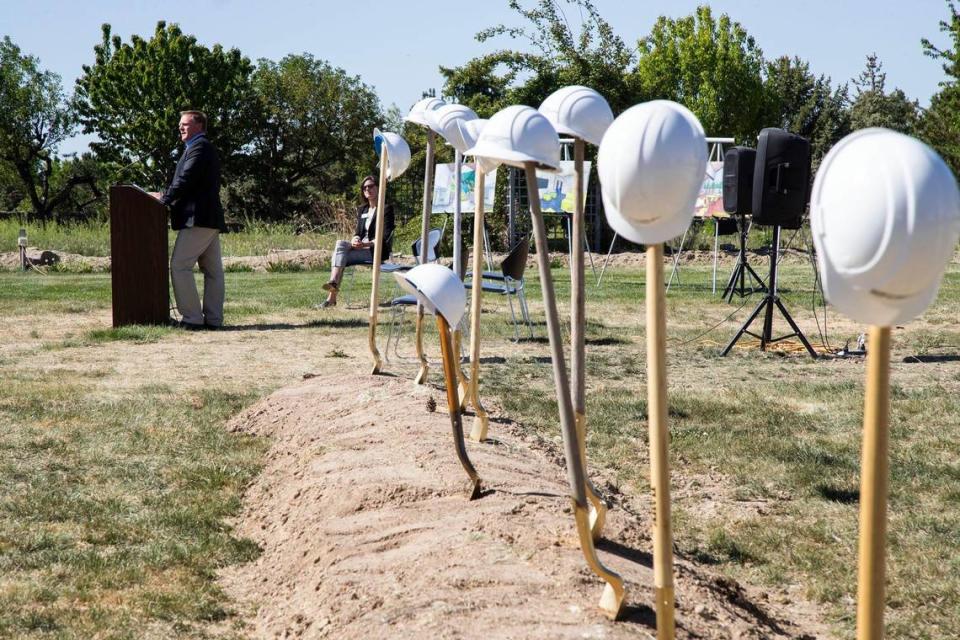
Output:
x=398 y=152
x=578 y=111
x=885 y=216
x=517 y=135
x=437 y=288
x=418 y=112
x=652 y=162
x=443 y=120
x=470 y=132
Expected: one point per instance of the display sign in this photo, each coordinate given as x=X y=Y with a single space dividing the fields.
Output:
x=710 y=201
x=445 y=190
x=556 y=189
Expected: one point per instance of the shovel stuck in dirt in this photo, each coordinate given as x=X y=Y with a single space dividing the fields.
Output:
x=651 y=165
x=440 y=291
x=394 y=159
x=481 y=421
x=421 y=377
x=453 y=404
x=578 y=354
x=585 y=115
x=522 y=137
x=882 y=259
x=377 y=260
x=611 y=602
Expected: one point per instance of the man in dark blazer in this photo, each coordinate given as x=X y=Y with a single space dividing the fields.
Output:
x=197 y=216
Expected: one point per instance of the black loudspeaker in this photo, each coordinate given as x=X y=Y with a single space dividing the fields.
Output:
x=738 y=165
x=781 y=179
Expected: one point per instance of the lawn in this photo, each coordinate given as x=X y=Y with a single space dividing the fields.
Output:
x=118 y=481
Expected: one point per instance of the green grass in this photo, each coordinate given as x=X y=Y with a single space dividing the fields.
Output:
x=113 y=511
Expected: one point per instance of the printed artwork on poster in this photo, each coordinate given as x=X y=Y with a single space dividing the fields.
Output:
x=710 y=200
x=444 y=188
x=556 y=189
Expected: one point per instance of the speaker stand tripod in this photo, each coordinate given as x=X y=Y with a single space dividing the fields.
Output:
x=742 y=268
x=770 y=300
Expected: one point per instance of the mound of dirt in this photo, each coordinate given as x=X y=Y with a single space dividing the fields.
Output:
x=10 y=261
x=366 y=532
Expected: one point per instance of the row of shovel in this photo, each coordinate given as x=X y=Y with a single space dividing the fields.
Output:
x=885 y=214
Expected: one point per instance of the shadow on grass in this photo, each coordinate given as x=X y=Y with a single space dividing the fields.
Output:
x=336 y=323
x=928 y=359
x=836 y=494
x=606 y=341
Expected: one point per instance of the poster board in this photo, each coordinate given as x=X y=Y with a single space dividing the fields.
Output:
x=556 y=189
x=710 y=199
x=444 y=188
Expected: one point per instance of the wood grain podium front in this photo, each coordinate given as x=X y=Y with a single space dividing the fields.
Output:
x=139 y=265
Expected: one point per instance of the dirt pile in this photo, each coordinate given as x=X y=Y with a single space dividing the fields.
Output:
x=41 y=258
x=366 y=532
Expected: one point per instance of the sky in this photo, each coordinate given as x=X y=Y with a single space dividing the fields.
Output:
x=397 y=46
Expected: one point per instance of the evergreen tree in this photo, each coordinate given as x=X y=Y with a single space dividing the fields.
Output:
x=805 y=104
x=874 y=107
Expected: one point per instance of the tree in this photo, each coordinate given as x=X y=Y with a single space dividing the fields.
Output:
x=313 y=136
x=593 y=56
x=34 y=120
x=713 y=67
x=132 y=95
x=940 y=123
x=874 y=107
x=804 y=104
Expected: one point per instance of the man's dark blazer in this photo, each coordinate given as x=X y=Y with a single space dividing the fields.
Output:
x=195 y=190
x=388 y=226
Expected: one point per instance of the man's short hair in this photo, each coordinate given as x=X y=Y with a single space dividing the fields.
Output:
x=198 y=116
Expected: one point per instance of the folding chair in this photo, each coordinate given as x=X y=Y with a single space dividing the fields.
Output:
x=346 y=282
x=399 y=302
x=509 y=281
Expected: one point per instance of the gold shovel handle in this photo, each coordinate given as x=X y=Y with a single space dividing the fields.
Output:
x=453 y=405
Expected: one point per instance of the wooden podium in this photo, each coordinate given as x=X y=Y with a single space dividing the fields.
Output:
x=139 y=257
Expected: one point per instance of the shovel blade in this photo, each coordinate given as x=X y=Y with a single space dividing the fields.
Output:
x=475 y=490
x=611 y=602
x=421 y=375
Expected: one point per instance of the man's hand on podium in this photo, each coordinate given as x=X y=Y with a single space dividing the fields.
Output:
x=156 y=194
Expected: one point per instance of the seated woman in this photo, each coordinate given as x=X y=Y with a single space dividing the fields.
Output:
x=359 y=250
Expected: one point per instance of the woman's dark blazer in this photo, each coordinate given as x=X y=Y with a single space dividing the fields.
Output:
x=388 y=226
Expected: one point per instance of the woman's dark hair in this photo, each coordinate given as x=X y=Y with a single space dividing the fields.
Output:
x=363 y=197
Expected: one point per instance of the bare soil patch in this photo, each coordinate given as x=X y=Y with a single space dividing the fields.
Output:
x=366 y=531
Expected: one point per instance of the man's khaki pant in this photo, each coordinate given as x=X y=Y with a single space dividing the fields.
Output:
x=198 y=245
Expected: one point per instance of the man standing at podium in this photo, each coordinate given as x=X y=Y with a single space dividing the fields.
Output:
x=197 y=216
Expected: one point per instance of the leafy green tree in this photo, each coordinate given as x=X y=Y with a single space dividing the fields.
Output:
x=561 y=55
x=313 y=136
x=805 y=104
x=11 y=188
x=132 y=95
x=874 y=107
x=34 y=120
x=940 y=123
x=713 y=67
